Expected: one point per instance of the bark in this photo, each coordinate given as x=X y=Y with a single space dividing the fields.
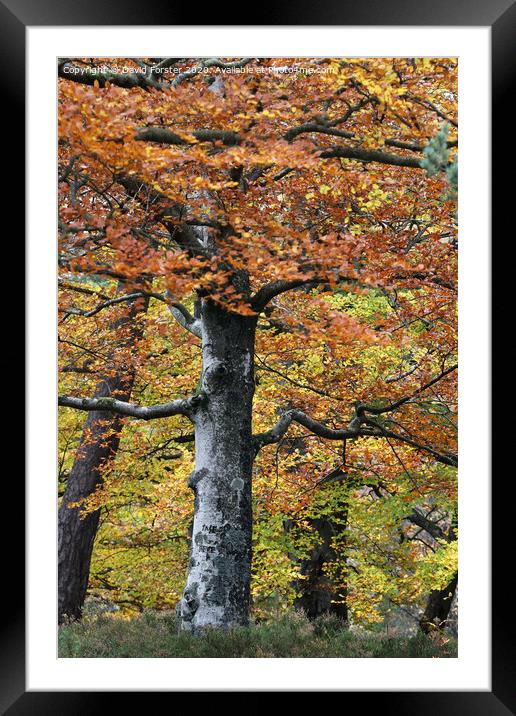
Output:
x=317 y=593
x=98 y=445
x=438 y=607
x=217 y=592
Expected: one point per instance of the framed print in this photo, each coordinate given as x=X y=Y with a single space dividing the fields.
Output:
x=154 y=253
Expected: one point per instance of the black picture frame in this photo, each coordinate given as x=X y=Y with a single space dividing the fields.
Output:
x=500 y=15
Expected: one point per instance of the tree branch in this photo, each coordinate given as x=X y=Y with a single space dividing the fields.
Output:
x=183 y=233
x=430 y=105
x=371 y=155
x=177 y=309
x=164 y=410
x=355 y=429
x=184 y=317
x=210 y=62
x=162 y=135
x=88 y=76
x=97 y=309
x=278 y=431
x=229 y=138
x=265 y=294
x=361 y=407
x=315 y=127
x=445 y=458
x=432 y=528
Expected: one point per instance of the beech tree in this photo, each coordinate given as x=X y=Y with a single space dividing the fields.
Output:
x=256 y=198
x=98 y=444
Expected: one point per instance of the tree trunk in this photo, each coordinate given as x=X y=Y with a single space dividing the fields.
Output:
x=98 y=445
x=438 y=607
x=217 y=592
x=323 y=589
x=318 y=594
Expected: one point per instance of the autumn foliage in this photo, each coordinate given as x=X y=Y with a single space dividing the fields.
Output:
x=297 y=197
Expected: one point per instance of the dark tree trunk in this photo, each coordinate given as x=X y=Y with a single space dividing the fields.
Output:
x=318 y=593
x=98 y=445
x=438 y=607
x=217 y=591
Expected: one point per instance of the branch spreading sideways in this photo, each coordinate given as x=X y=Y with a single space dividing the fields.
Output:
x=164 y=410
x=360 y=425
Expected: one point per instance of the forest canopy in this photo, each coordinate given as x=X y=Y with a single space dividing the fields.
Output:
x=258 y=337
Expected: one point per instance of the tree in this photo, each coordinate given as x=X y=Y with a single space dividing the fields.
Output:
x=248 y=192
x=438 y=607
x=322 y=586
x=97 y=447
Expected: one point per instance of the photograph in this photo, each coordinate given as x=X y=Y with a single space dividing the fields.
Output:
x=257 y=337
x=260 y=445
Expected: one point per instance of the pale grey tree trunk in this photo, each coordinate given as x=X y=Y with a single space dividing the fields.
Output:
x=217 y=591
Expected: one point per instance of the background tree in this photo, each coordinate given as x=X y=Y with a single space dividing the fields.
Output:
x=97 y=447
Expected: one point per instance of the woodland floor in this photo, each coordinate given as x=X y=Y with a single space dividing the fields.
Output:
x=155 y=635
